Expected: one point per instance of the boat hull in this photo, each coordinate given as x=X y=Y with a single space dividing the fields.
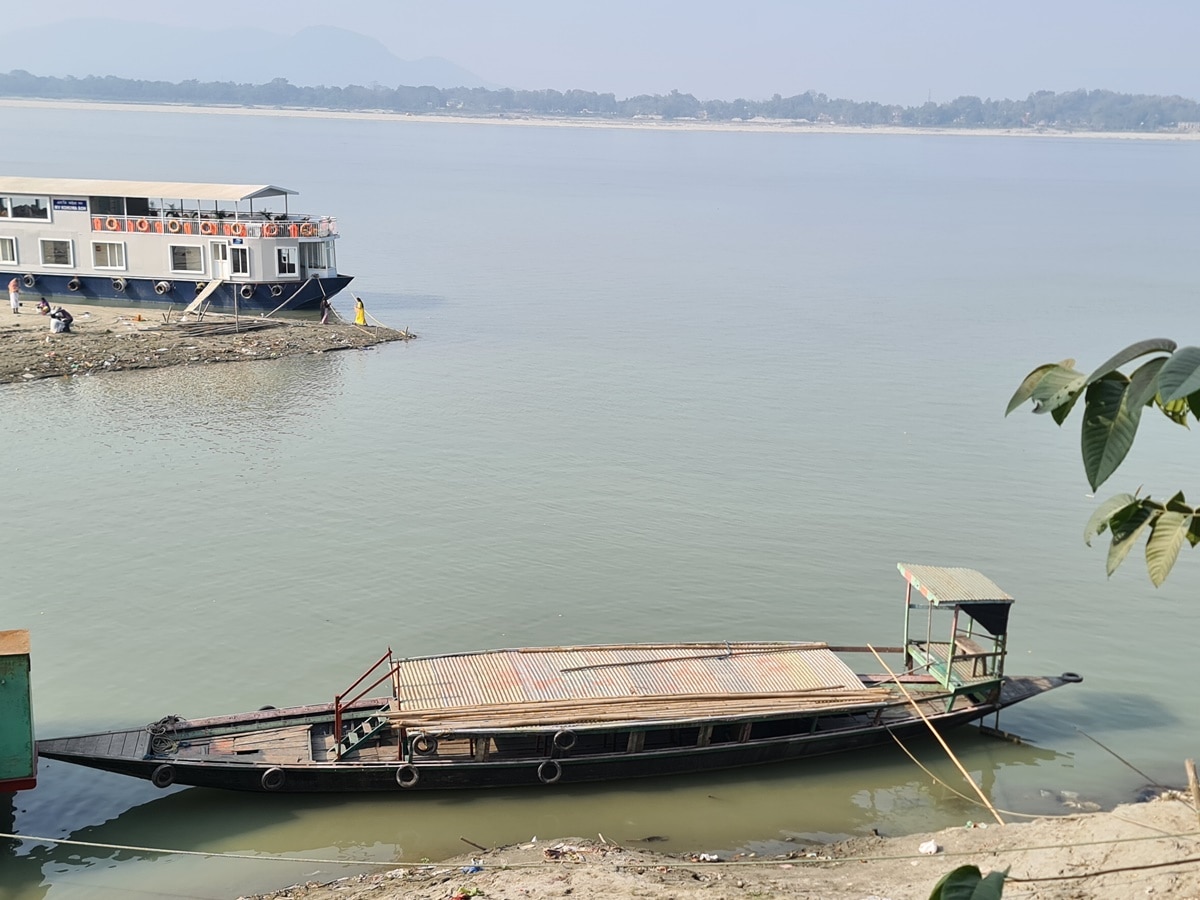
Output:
x=164 y=293
x=133 y=752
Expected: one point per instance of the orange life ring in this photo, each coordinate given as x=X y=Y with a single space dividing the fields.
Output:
x=308 y=229
x=112 y=224
x=270 y=229
x=143 y=226
x=238 y=229
x=97 y=224
x=208 y=228
x=173 y=226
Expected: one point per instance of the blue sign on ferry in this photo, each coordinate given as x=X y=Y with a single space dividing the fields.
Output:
x=79 y=205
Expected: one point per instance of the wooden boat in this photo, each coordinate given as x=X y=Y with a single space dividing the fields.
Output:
x=562 y=715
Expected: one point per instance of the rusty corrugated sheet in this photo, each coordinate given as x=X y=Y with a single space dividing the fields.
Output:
x=595 y=673
x=949 y=585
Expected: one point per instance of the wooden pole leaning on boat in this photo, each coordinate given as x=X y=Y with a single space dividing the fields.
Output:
x=937 y=734
x=1193 y=784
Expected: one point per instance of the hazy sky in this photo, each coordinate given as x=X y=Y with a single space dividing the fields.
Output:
x=897 y=52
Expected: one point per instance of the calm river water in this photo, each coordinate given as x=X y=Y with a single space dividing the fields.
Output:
x=669 y=385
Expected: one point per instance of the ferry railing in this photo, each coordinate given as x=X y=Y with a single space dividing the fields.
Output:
x=340 y=702
x=211 y=224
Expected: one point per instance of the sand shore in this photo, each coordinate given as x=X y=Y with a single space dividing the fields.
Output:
x=1139 y=850
x=113 y=339
x=758 y=126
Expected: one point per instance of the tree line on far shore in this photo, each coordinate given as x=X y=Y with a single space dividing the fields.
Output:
x=1080 y=110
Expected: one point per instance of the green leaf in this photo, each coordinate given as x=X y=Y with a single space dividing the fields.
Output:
x=1109 y=426
x=1167 y=535
x=1126 y=533
x=1058 y=388
x=1025 y=391
x=1181 y=375
x=1105 y=511
x=1060 y=412
x=1130 y=353
x=1143 y=383
x=966 y=883
x=1193 y=402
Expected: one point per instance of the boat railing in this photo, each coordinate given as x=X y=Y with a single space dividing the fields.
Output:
x=344 y=700
x=229 y=224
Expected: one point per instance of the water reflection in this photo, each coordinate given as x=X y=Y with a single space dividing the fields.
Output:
x=775 y=807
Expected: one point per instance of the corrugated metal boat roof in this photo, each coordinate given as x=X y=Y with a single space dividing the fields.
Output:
x=582 y=674
x=181 y=190
x=942 y=585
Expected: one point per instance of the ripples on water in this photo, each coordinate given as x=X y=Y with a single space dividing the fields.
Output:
x=668 y=386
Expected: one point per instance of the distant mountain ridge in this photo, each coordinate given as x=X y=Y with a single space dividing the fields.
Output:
x=320 y=55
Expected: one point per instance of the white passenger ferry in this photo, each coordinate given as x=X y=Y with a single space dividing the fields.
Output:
x=225 y=246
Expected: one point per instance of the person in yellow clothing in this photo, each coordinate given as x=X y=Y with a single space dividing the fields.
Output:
x=360 y=313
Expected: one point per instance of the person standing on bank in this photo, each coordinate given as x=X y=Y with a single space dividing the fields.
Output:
x=360 y=312
x=325 y=307
x=14 y=295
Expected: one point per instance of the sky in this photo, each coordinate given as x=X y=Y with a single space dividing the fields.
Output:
x=904 y=51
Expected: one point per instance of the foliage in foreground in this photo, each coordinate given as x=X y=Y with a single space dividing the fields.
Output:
x=1113 y=405
x=968 y=883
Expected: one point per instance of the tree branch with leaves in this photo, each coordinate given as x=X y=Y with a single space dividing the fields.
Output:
x=1112 y=409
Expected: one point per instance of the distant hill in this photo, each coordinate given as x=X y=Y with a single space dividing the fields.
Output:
x=315 y=56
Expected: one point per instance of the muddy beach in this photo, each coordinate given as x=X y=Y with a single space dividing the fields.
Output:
x=112 y=339
x=1138 y=850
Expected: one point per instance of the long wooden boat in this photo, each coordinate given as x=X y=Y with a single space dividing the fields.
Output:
x=560 y=715
x=161 y=244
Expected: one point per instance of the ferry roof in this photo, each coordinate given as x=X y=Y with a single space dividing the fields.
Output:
x=949 y=587
x=182 y=190
x=972 y=592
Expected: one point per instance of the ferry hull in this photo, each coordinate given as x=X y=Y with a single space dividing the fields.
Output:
x=161 y=293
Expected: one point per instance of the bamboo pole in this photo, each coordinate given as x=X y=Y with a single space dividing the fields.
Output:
x=1194 y=784
x=941 y=740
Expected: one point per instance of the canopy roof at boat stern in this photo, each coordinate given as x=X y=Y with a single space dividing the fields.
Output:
x=979 y=596
x=175 y=190
x=581 y=674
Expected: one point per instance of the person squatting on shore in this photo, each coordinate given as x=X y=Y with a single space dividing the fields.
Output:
x=60 y=321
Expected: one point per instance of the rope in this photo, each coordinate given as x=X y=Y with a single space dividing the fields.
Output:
x=551 y=864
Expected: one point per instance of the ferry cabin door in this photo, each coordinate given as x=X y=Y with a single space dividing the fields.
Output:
x=220 y=260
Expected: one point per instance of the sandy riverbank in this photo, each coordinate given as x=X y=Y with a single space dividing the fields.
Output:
x=1139 y=850
x=759 y=126
x=112 y=339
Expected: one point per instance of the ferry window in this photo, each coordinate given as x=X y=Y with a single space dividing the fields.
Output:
x=187 y=259
x=138 y=206
x=4 y=207
x=286 y=260
x=56 y=253
x=107 y=206
x=108 y=256
x=239 y=260
x=22 y=207
x=314 y=255
x=8 y=250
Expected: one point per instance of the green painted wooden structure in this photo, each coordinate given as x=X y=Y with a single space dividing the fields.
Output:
x=18 y=754
x=965 y=655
